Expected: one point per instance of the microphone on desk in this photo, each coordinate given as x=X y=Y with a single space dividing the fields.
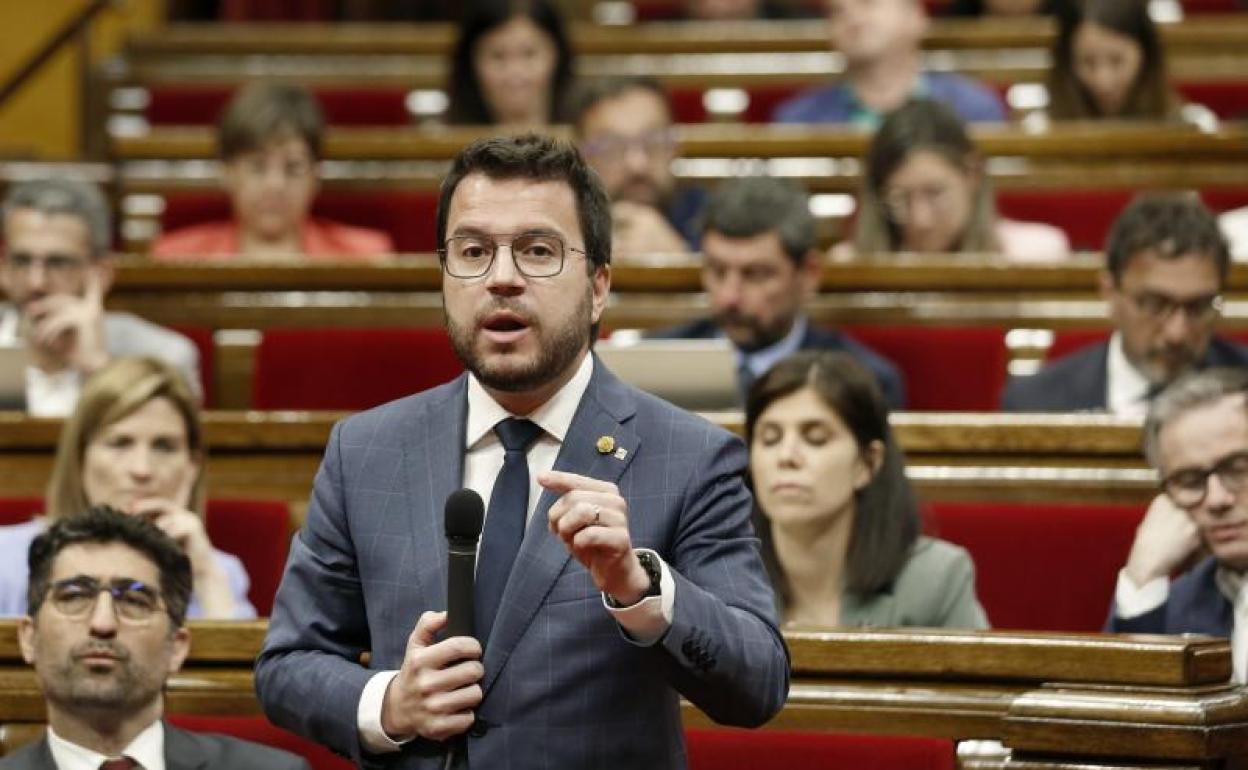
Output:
x=465 y=513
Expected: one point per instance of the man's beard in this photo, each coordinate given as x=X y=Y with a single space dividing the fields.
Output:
x=554 y=354
x=121 y=692
x=759 y=334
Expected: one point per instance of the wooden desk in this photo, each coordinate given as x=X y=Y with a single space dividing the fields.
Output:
x=1056 y=701
x=951 y=456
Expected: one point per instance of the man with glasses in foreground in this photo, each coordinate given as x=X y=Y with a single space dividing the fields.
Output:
x=56 y=270
x=1166 y=267
x=1196 y=435
x=617 y=569
x=107 y=601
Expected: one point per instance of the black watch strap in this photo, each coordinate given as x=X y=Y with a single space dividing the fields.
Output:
x=650 y=563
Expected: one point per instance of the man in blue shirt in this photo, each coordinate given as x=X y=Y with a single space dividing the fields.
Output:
x=880 y=40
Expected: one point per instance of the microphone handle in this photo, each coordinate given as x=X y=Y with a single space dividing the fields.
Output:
x=460 y=576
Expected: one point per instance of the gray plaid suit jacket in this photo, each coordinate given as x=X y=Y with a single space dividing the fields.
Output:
x=563 y=687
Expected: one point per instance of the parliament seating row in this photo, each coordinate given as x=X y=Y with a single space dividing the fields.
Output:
x=1056 y=701
x=256 y=531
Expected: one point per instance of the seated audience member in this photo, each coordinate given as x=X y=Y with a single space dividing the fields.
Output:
x=269 y=138
x=108 y=601
x=56 y=269
x=759 y=268
x=924 y=189
x=836 y=515
x=1166 y=267
x=511 y=66
x=134 y=443
x=1000 y=8
x=1196 y=436
x=883 y=68
x=1108 y=62
x=624 y=129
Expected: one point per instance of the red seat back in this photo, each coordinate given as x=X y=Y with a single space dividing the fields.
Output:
x=947 y=368
x=409 y=216
x=202 y=337
x=1042 y=566
x=349 y=368
x=257 y=532
x=729 y=749
x=259 y=730
x=1066 y=341
x=195 y=105
x=15 y=510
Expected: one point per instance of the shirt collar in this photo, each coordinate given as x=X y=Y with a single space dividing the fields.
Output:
x=759 y=361
x=862 y=115
x=1126 y=387
x=147 y=748
x=554 y=416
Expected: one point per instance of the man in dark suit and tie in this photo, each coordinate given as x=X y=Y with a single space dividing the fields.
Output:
x=759 y=268
x=107 y=598
x=626 y=577
x=1166 y=266
x=1196 y=436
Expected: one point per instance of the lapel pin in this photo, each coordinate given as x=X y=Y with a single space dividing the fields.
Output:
x=605 y=445
x=621 y=453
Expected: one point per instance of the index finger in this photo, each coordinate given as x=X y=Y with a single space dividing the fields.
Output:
x=562 y=482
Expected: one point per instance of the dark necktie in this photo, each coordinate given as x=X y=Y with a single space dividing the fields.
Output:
x=504 y=521
x=123 y=763
x=745 y=380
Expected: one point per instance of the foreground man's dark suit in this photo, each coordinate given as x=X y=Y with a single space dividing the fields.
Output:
x=563 y=687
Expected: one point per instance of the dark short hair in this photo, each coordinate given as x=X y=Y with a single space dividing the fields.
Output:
x=71 y=197
x=589 y=93
x=1150 y=96
x=104 y=525
x=536 y=158
x=467 y=102
x=886 y=520
x=261 y=113
x=754 y=205
x=1170 y=225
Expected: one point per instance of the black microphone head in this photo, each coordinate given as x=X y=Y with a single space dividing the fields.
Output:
x=465 y=513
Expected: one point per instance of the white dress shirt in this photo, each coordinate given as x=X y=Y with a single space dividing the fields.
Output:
x=643 y=623
x=47 y=395
x=1126 y=388
x=147 y=748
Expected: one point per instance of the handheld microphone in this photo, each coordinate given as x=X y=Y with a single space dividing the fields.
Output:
x=465 y=513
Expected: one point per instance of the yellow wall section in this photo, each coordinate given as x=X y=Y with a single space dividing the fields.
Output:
x=43 y=120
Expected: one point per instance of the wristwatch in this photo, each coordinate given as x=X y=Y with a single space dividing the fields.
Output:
x=650 y=563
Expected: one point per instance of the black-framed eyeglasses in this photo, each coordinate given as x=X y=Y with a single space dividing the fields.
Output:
x=1158 y=307
x=54 y=264
x=133 y=600
x=536 y=255
x=1187 y=487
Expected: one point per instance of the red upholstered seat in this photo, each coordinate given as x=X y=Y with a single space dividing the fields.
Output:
x=257 y=532
x=349 y=368
x=407 y=215
x=202 y=337
x=729 y=749
x=1043 y=567
x=196 y=105
x=1066 y=341
x=947 y=368
x=260 y=730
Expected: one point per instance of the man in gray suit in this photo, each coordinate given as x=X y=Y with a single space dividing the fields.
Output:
x=56 y=269
x=636 y=580
x=108 y=596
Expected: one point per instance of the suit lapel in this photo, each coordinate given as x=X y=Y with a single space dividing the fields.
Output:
x=433 y=452
x=181 y=753
x=606 y=409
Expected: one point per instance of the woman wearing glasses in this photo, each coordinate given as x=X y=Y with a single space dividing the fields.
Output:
x=134 y=443
x=924 y=189
x=835 y=514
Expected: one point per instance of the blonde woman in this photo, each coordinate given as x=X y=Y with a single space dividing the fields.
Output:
x=134 y=443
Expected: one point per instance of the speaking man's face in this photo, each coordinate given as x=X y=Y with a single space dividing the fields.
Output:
x=515 y=332
x=94 y=655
